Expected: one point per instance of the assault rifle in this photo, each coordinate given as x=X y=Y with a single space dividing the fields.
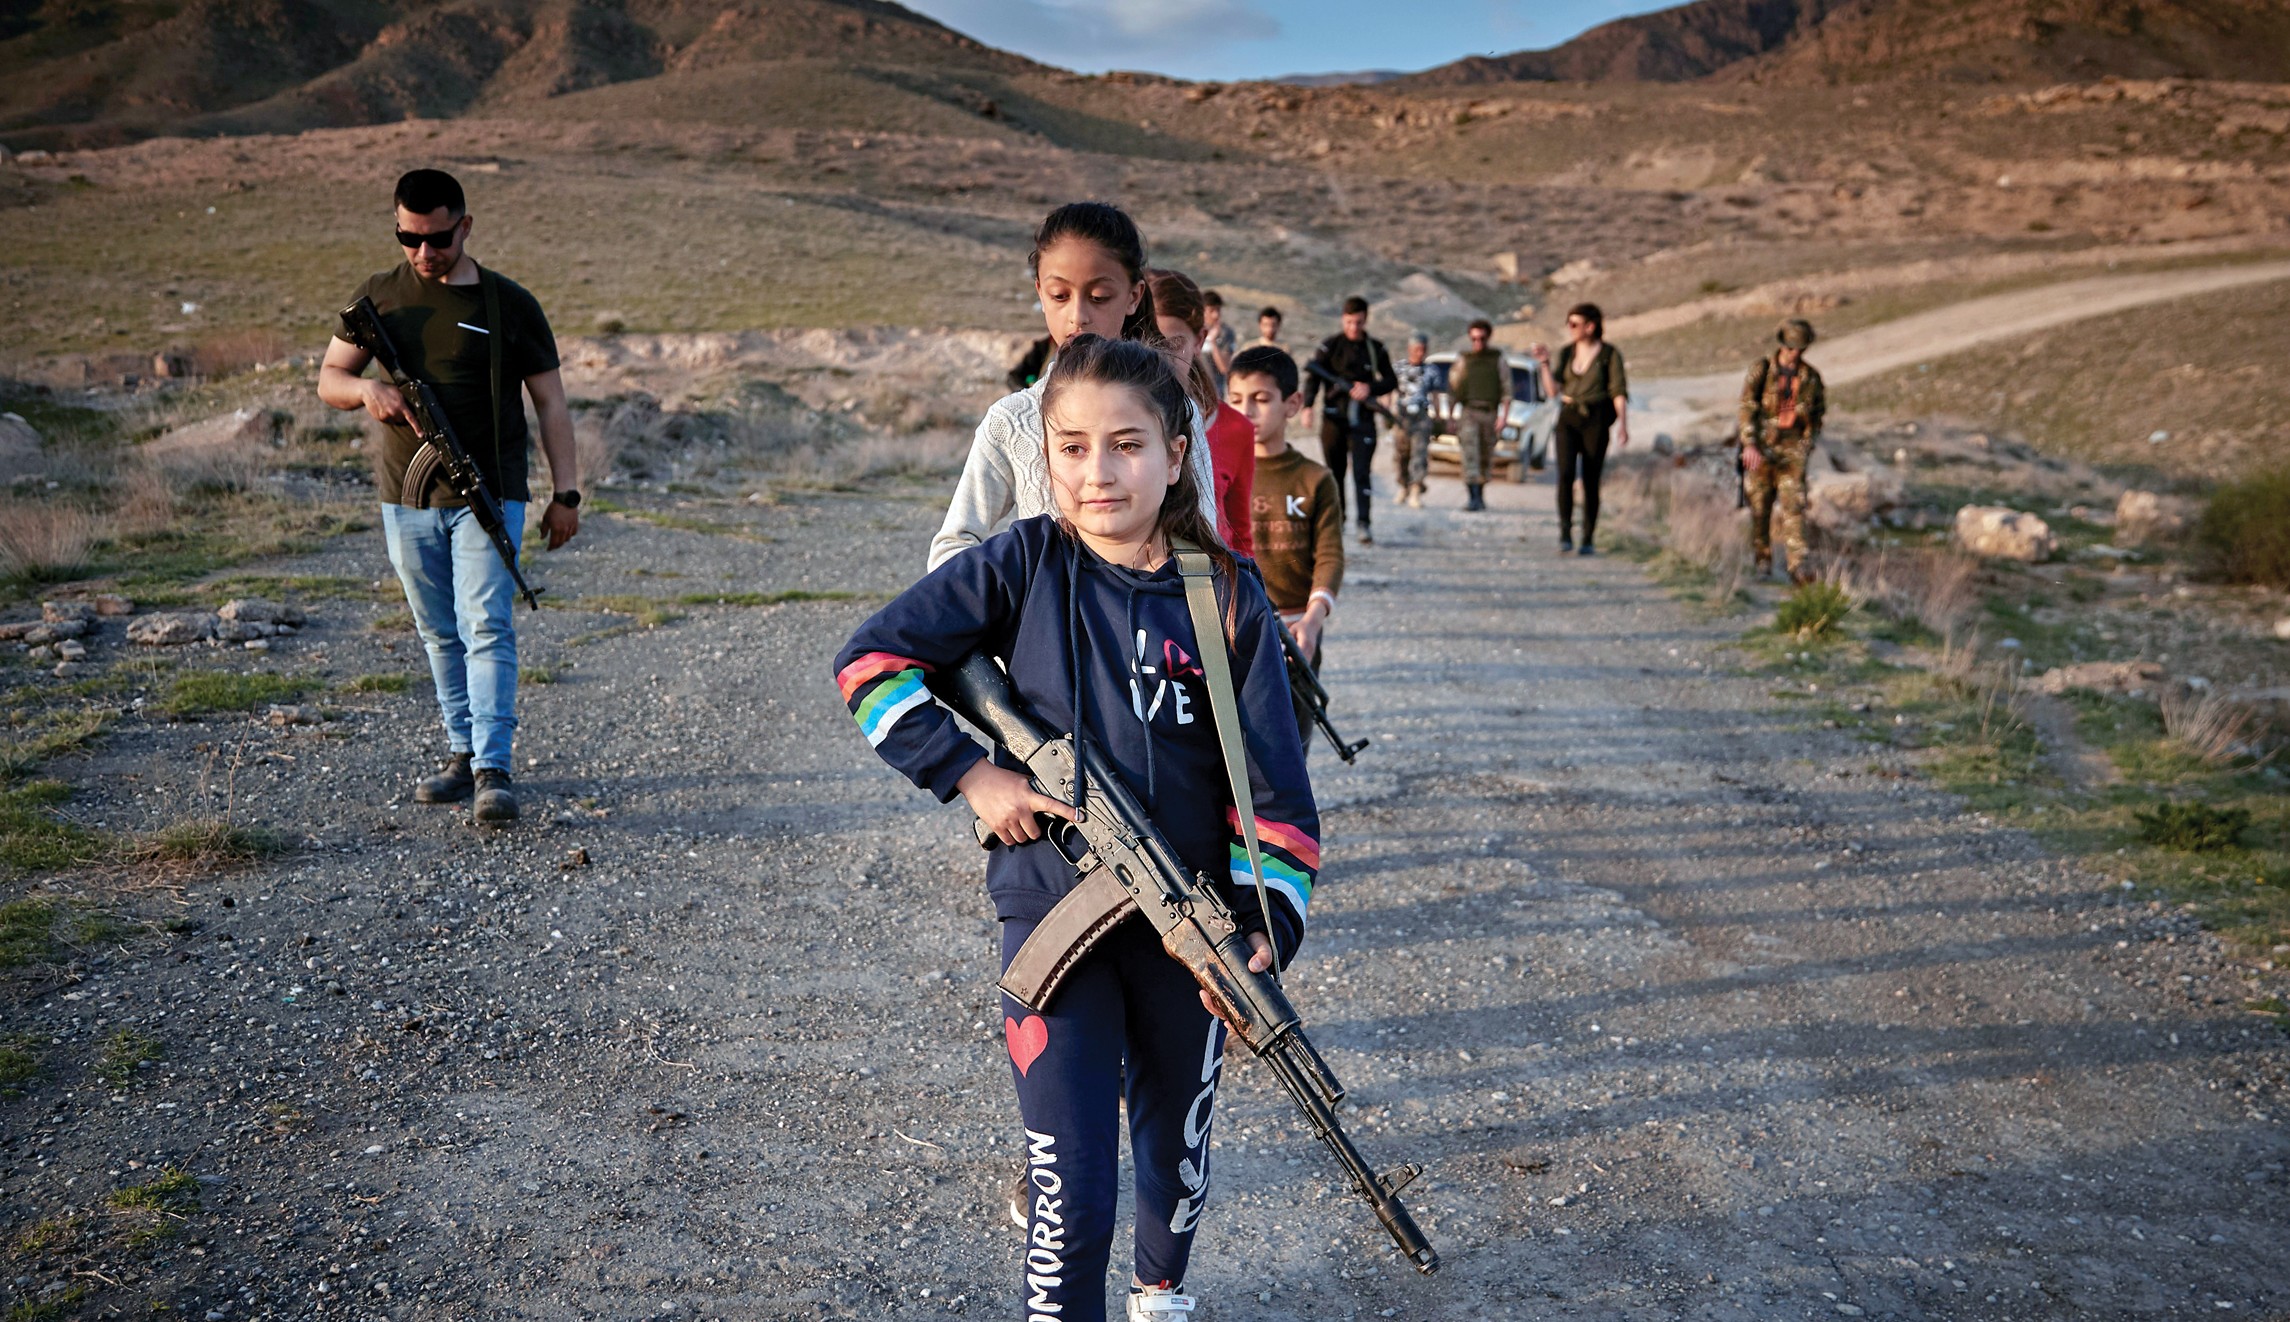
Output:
x=1127 y=868
x=1305 y=682
x=1345 y=384
x=441 y=453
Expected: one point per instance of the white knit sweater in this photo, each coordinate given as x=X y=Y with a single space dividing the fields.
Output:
x=1008 y=474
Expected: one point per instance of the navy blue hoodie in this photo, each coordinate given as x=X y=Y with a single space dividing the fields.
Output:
x=1050 y=608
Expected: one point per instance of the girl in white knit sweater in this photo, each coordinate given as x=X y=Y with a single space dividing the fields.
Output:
x=1088 y=265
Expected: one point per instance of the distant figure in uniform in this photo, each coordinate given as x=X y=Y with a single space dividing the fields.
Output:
x=1480 y=385
x=1411 y=443
x=1782 y=401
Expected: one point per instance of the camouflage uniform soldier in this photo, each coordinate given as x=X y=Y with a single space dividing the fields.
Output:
x=1782 y=401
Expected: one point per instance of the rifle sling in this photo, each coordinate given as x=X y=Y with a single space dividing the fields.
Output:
x=1094 y=907
x=1199 y=573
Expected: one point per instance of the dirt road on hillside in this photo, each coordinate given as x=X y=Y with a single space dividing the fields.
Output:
x=1693 y=1012
x=1676 y=403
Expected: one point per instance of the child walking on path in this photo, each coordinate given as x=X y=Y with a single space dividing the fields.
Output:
x=1299 y=520
x=1181 y=309
x=1087 y=612
x=1088 y=265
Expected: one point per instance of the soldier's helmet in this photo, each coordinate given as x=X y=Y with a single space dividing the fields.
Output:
x=1796 y=333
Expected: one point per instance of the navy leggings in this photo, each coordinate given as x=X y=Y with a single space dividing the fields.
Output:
x=1128 y=1023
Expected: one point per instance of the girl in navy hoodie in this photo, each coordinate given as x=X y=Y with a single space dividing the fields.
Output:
x=1087 y=612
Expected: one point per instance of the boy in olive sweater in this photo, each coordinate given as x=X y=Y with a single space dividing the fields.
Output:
x=1297 y=517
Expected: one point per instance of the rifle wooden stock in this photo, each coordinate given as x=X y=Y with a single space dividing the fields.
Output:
x=1119 y=852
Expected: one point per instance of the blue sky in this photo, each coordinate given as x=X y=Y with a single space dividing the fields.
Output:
x=1236 y=39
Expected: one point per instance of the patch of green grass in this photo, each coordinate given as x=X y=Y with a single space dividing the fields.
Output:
x=124 y=1053
x=647 y=611
x=1812 y=610
x=99 y=927
x=538 y=675
x=210 y=534
x=764 y=598
x=27 y=933
x=393 y=622
x=19 y=1064
x=58 y=733
x=46 y=1308
x=341 y=587
x=32 y=836
x=397 y=683
x=206 y=843
x=222 y=690
x=175 y=1192
x=52 y=1235
x=2192 y=828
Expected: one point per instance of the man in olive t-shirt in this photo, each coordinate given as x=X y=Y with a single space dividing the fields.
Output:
x=439 y=309
x=1480 y=385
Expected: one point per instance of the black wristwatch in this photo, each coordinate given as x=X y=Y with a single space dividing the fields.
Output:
x=569 y=499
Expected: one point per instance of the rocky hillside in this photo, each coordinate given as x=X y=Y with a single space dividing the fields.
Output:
x=1853 y=41
x=86 y=72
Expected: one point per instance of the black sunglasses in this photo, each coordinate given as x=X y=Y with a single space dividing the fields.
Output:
x=442 y=241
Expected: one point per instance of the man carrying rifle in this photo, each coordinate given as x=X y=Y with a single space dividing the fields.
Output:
x=1347 y=373
x=473 y=337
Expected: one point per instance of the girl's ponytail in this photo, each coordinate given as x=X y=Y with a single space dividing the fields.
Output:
x=1110 y=228
x=1146 y=370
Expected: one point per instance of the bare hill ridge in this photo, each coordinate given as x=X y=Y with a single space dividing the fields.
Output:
x=1851 y=41
x=89 y=74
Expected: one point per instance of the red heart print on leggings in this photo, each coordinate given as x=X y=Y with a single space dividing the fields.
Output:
x=1029 y=1038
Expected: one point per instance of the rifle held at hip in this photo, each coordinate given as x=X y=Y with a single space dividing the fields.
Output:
x=1129 y=868
x=441 y=455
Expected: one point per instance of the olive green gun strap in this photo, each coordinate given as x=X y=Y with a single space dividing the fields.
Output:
x=489 y=286
x=1199 y=574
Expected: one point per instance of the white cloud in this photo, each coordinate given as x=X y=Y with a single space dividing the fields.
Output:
x=1102 y=34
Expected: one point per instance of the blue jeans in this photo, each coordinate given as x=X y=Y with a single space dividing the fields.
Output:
x=462 y=599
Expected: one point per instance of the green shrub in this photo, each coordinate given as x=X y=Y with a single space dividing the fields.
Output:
x=2244 y=533
x=2192 y=828
x=1812 y=610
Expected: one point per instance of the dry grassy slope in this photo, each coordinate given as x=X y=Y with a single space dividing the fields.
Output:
x=1862 y=41
x=75 y=75
x=2035 y=40
x=2207 y=371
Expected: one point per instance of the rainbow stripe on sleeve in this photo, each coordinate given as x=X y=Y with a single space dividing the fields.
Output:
x=1291 y=859
x=881 y=688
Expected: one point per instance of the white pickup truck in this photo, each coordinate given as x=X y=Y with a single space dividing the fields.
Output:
x=1526 y=432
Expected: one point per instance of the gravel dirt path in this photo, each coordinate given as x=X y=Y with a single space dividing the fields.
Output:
x=1692 y=1012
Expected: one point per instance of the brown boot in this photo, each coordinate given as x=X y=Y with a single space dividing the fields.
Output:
x=496 y=802
x=452 y=783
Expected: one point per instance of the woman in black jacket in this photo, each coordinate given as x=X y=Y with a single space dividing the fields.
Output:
x=1593 y=390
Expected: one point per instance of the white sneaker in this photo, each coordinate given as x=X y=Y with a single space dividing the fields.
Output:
x=1019 y=1202
x=1158 y=1301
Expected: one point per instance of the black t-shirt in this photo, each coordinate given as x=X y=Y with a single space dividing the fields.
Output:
x=442 y=338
